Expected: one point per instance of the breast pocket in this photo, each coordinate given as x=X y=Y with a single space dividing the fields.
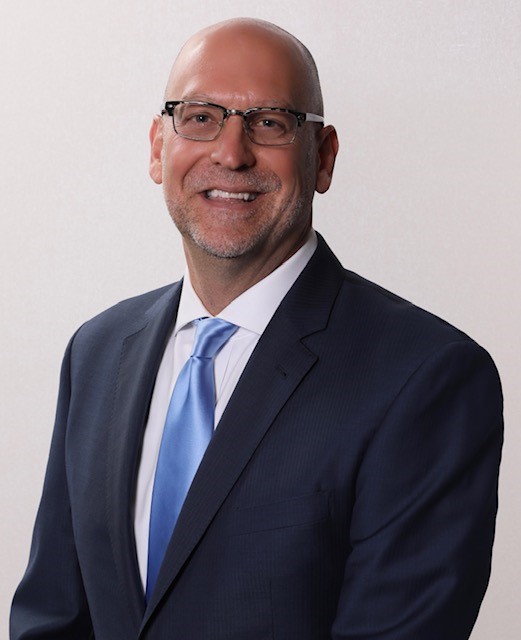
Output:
x=292 y=512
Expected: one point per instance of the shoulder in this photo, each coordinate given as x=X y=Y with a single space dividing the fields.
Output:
x=368 y=307
x=388 y=310
x=369 y=324
x=388 y=328
x=128 y=316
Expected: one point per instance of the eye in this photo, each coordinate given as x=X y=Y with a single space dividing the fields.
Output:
x=270 y=123
x=201 y=118
x=198 y=116
x=267 y=121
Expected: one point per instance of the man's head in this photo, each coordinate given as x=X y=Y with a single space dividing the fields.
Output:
x=230 y=197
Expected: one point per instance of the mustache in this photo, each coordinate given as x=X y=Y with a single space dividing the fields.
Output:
x=261 y=181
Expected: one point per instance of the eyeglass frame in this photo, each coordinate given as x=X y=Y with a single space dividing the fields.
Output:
x=301 y=117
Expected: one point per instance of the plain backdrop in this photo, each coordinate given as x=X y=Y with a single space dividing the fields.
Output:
x=426 y=97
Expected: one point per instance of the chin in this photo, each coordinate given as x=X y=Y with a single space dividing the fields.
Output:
x=220 y=248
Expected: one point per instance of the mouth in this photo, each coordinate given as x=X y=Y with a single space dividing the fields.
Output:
x=243 y=196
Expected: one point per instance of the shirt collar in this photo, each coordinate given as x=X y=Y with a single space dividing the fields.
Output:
x=253 y=309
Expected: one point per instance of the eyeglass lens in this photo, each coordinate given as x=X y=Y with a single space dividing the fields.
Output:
x=204 y=122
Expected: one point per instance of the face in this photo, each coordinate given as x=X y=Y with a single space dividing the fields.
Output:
x=229 y=197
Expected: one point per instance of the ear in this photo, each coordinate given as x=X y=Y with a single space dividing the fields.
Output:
x=327 y=150
x=156 y=149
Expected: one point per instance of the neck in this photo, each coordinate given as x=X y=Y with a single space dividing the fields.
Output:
x=218 y=281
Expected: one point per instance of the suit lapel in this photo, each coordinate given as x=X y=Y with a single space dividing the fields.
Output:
x=276 y=367
x=141 y=352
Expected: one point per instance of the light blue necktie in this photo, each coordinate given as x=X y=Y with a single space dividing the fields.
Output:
x=188 y=430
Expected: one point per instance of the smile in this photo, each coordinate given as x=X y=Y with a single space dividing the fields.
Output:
x=229 y=195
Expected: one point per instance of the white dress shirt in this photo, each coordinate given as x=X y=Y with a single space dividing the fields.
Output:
x=251 y=312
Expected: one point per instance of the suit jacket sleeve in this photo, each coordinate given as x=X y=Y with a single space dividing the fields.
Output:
x=50 y=601
x=426 y=498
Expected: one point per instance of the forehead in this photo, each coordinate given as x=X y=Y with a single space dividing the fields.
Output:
x=240 y=66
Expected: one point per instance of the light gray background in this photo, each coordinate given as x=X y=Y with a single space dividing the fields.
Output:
x=426 y=96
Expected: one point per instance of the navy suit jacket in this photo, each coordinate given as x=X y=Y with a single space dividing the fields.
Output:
x=349 y=491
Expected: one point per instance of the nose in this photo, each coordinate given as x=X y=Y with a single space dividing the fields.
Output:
x=232 y=148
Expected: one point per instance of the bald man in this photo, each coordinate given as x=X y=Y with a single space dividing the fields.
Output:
x=341 y=481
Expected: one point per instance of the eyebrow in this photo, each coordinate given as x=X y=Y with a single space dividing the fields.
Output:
x=271 y=102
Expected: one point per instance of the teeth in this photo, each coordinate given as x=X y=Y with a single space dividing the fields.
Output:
x=217 y=193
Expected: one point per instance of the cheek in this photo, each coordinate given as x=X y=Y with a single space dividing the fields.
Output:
x=295 y=184
x=169 y=179
x=294 y=169
x=179 y=156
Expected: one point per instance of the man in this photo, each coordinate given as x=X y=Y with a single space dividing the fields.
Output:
x=349 y=489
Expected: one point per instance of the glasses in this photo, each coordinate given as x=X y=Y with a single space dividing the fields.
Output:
x=268 y=126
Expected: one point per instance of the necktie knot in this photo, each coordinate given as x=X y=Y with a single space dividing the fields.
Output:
x=211 y=335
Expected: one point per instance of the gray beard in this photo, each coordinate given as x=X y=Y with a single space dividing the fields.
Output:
x=181 y=218
x=263 y=181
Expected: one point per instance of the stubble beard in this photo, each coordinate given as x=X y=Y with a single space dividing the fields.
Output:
x=264 y=226
x=225 y=247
